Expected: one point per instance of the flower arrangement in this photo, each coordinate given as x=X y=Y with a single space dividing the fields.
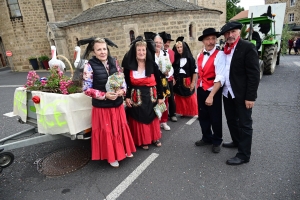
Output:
x=114 y=82
x=57 y=82
x=164 y=65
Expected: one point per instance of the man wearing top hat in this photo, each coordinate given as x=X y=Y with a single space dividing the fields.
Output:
x=167 y=40
x=239 y=90
x=209 y=94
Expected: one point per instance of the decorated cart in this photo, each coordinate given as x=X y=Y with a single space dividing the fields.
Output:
x=55 y=106
x=52 y=111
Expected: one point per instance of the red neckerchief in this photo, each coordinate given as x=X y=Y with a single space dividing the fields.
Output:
x=229 y=47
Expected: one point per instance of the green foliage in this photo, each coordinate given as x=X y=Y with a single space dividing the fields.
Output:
x=285 y=36
x=232 y=9
x=44 y=58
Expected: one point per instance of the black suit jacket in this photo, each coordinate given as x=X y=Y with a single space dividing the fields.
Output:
x=244 y=73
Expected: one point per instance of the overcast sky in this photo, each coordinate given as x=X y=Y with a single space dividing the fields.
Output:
x=247 y=3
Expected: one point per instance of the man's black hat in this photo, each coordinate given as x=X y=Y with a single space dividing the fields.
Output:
x=230 y=26
x=165 y=36
x=207 y=32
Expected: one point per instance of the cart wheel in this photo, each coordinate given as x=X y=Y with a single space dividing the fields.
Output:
x=6 y=159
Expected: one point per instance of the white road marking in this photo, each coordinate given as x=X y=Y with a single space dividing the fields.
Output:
x=6 y=86
x=192 y=120
x=10 y=114
x=134 y=175
x=297 y=63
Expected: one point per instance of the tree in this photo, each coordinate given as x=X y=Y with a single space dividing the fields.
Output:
x=231 y=9
x=285 y=37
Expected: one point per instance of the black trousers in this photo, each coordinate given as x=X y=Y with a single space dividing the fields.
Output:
x=210 y=117
x=172 y=106
x=239 y=122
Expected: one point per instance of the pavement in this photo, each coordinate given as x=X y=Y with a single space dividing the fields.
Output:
x=178 y=169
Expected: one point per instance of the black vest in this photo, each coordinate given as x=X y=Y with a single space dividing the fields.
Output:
x=100 y=77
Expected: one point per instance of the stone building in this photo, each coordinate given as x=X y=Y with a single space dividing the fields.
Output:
x=292 y=13
x=28 y=28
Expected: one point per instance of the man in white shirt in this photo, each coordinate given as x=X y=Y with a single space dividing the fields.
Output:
x=209 y=95
x=239 y=90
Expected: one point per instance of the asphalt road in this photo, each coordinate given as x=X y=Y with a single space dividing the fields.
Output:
x=178 y=169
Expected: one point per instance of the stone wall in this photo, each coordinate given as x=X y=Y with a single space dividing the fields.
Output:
x=24 y=36
x=66 y=9
x=289 y=9
x=217 y=5
x=28 y=36
x=176 y=23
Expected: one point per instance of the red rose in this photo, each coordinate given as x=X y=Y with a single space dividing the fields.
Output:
x=36 y=99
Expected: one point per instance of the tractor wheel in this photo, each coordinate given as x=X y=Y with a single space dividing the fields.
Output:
x=261 y=68
x=269 y=58
x=6 y=159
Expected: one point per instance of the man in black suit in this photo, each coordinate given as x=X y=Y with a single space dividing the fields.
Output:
x=239 y=90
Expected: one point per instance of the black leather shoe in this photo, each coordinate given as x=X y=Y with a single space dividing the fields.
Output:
x=216 y=148
x=236 y=161
x=229 y=145
x=200 y=143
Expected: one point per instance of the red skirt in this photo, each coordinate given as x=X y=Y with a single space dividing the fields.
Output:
x=186 y=106
x=111 y=137
x=144 y=134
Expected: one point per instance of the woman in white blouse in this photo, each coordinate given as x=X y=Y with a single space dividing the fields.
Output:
x=185 y=77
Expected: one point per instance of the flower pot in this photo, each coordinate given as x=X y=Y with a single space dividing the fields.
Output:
x=34 y=63
x=45 y=64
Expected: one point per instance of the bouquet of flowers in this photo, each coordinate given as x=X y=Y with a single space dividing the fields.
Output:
x=57 y=82
x=114 y=82
x=165 y=66
x=159 y=109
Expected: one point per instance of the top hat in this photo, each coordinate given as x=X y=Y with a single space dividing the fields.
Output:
x=207 y=32
x=230 y=26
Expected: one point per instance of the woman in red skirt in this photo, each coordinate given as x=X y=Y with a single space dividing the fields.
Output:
x=111 y=137
x=185 y=77
x=144 y=91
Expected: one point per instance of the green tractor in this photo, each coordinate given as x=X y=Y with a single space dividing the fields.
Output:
x=269 y=50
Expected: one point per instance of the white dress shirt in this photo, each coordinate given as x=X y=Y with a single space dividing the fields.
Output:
x=227 y=86
x=219 y=67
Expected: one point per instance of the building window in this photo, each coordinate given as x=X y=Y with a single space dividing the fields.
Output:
x=131 y=35
x=291 y=17
x=292 y=2
x=14 y=8
x=191 y=30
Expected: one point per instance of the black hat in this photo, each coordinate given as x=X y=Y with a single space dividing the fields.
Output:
x=230 y=26
x=186 y=49
x=181 y=38
x=129 y=61
x=165 y=36
x=207 y=32
x=149 y=35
